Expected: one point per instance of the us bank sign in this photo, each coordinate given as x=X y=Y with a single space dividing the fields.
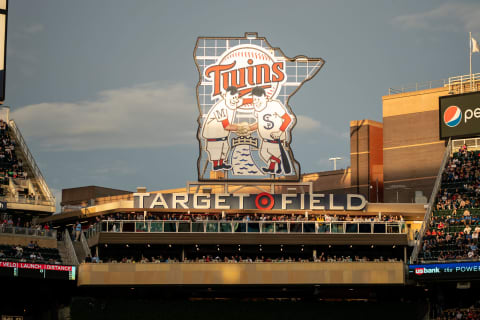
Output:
x=245 y=121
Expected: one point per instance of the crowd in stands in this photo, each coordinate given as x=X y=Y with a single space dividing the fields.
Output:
x=8 y=222
x=250 y=217
x=10 y=166
x=471 y=313
x=238 y=259
x=454 y=227
x=31 y=253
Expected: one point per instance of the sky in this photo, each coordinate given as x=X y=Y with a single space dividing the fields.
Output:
x=104 y=91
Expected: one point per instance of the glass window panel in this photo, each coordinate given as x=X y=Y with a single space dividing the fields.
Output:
x=156 y=226
x=253 y=227
x=197 y=227
x=351 y=228
x=170 y=227
x=296 y=227
x=338 y=228
x=309 y=227
x=183 y=227
x=281 y=227
x=267 y=227
x=365 y=228
x=212 y=226
x=225 y=227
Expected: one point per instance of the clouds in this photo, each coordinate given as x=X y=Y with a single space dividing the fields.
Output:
x=307 y=124
x=33 y=29
x=455 y=16
x=144 y=116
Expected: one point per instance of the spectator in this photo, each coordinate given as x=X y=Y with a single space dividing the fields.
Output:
x=78 y=230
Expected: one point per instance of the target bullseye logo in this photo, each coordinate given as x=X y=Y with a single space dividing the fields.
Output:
x=264 y=201
x=452 y=116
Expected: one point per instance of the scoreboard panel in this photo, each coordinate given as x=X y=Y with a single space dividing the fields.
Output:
x=37 y=271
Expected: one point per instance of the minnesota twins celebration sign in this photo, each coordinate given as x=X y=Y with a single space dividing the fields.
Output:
x=245 y=122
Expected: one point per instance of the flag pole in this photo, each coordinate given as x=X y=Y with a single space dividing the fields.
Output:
x=470 y=42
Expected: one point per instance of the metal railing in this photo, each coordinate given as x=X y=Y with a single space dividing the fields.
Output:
x=257 y=227
x=84 y=243
x=457 y=84
x=464 y=83
x=10 y=229
x=418 y=86
x=71 y=255
x=471 y=143
x=433 y=196
x=29 y=157
x=22 y=200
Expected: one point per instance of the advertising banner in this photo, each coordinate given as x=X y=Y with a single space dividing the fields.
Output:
x=261 y=201
x=446 y=271
x=460 y=115
x=245 y=121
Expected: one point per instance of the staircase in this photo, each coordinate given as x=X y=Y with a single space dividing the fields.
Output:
x=79 y=251
x=36 y=181
x=62 y=250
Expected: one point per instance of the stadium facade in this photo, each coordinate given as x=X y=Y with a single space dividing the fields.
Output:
x=349 y=234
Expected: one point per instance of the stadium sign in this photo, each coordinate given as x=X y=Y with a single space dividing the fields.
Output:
x=459 y=115
x=245 y=121
x=241 y=201
x=445 y=270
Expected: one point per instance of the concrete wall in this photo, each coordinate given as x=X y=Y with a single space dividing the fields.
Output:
x=412 y=148
x=366 y=158
x=241 y=273
x=25 y=240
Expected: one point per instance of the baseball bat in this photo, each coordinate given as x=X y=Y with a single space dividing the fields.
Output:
x=285 y=161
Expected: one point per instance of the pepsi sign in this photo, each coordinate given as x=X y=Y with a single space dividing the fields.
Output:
x=452 y=116
x=459 y=115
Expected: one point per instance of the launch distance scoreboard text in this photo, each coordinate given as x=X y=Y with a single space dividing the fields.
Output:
x=37 y=271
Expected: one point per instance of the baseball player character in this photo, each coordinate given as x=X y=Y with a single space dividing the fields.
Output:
x=217 y=127
x=272 y=122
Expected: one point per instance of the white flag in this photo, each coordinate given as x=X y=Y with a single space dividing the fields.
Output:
x=475 y=47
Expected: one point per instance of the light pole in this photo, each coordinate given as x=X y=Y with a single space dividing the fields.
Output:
x=335 y=162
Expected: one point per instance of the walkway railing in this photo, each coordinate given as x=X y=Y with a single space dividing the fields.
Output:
x=418 y=86
x=29 y=157
x=471 y=143
x=71 y=255
x=464 y=83
x=257 y=227
x=10 y=229
x=23 y=200
x=431 y=203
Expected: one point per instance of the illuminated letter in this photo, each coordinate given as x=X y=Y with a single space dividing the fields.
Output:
x=240 y=199
x=332 y=204
x=285 y=201
x=181 y=202
x=205 y=203
x=140 y=198
x=218 y=201
x=314 y=201
x=360 y=206
x=216 y=75
x=159 y=201
x=279 y=75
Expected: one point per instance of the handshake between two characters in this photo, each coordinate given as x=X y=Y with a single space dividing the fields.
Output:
x=272 y=125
